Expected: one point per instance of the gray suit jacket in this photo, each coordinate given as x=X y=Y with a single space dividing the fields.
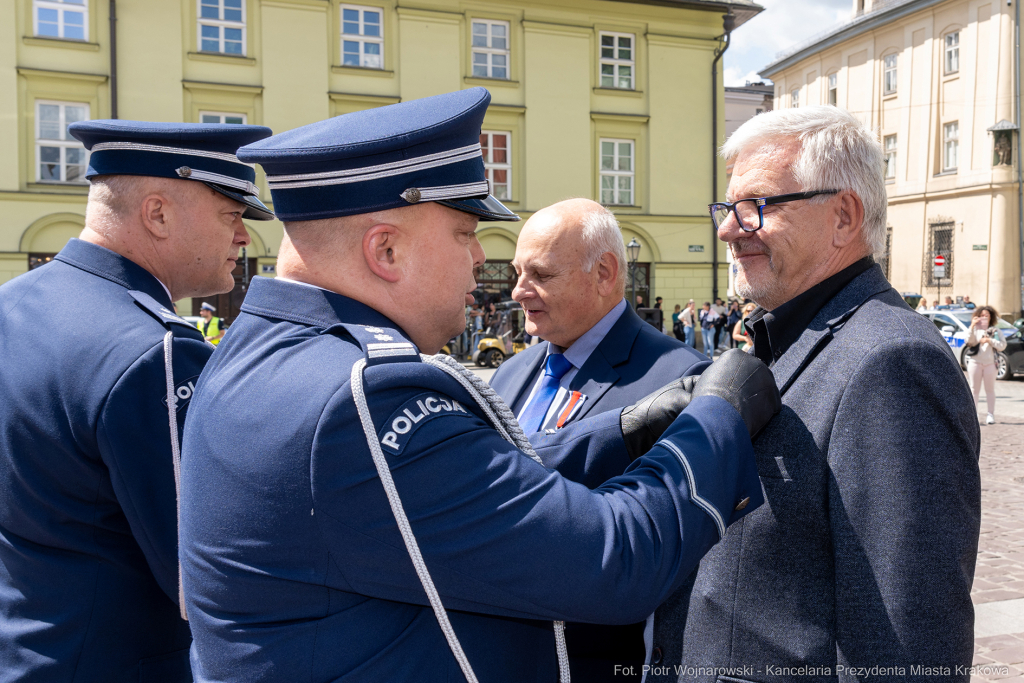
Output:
x=863 y=555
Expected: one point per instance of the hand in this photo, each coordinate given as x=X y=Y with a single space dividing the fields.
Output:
x=747 y=384
x=644 y=422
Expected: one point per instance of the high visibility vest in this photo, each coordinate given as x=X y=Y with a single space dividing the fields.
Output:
x=210 y=329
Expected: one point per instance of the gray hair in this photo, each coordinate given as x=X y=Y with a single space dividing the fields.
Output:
x=837 y=152
x=600 y=235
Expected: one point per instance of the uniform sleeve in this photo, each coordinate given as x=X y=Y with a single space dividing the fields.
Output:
x=503 y=535
x=135 y=444
x=905 y=506
x=579 y=456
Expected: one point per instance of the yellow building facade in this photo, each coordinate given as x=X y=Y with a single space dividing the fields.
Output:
x=937 y=80
x=590 y=98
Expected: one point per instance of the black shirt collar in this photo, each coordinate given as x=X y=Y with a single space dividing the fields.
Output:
x=773 y=332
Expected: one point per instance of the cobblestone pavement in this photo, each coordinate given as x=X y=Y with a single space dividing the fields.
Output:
x=999 y=578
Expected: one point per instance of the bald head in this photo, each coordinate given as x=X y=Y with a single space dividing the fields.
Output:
x=570 y=261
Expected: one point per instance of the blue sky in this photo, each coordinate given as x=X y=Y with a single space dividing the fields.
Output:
x=782 y=25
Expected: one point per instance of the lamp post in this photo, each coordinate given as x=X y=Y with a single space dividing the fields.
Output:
x=633 y=250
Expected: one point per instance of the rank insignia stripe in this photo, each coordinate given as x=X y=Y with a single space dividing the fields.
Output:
x=398 y=429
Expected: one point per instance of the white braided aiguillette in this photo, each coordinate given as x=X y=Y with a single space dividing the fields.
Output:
x=172 y=418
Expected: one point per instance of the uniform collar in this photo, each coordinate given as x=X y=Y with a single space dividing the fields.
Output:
x=299 y=303
x=112 y=266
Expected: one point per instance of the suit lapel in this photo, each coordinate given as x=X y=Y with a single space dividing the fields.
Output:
x=826 y=323
x=526 y=376
x=598 y=374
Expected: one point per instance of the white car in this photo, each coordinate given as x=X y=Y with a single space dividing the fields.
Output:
x=954 y=324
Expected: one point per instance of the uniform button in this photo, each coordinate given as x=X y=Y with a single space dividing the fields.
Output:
x=412 y=195
x=742 y=504
x=656 y=656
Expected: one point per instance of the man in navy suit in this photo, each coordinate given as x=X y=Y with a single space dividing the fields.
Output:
x=597 y=356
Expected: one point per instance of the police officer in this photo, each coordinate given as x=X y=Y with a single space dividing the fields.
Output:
x=211 y=326
x=354 y=511
x=96 y=380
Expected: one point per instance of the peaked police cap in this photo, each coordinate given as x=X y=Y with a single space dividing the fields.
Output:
x=190 y=151
x=425 y=150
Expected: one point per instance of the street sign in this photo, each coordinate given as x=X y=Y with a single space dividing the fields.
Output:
x=940 y=261
x=939 y=273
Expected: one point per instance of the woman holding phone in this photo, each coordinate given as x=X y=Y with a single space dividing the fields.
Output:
x=983 y=342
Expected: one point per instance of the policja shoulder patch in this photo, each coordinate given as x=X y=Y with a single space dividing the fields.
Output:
x=413 y=414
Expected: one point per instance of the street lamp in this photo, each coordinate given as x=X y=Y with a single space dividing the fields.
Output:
x=633 y=250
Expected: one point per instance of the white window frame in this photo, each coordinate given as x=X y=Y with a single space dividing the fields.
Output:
x=950 y=145
x=61 y=6
x=361 y=38
x=890 y=73
x=889 y=144
x=615 y=62
x=491 y=52
x=221 y=24
x=951 y=58
x=833 y=89
x=490 y=166
x=222 y=115
x=64 y=143
x=616 y=173
x=794 y=98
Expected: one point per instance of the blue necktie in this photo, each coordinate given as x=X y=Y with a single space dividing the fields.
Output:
x=555 y=368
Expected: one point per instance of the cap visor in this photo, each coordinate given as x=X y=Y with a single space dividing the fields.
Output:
x=255 y=210
x=486 y=207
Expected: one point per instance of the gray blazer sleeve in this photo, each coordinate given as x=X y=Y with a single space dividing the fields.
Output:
x=904 y=499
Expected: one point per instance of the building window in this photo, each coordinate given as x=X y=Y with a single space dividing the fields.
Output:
x=950 y=145
x=889 y=74
x=362 y=36
x=833 y=89
x=490 y=49
x=61 y=19
x=59 y=157
x=794 y=98
x=497 y=152
x=222 y=26
x=36 y=260
x=940 y=242
x=890 y=157
x=617 y=172
x=496 y=279
x=953 y=52
x=217 y=117
x=617 y=60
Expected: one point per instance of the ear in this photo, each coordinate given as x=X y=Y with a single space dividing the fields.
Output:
x=850 y=220
x=156 y=215
x=379 y=250
x=607 y=273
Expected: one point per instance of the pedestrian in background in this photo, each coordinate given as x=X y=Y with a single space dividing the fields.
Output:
x=739 y=331
x=735 y=316
x=689 y=321
x=983 y=342
x=968 y=303
x=923 y=306
x=708 y=318
x=677 y=325
x=211 y=327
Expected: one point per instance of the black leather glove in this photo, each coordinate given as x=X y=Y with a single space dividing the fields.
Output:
x=746 y=383
x=644 y=422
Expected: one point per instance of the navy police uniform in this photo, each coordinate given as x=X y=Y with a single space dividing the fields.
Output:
x=293 y=563
x=88 y=532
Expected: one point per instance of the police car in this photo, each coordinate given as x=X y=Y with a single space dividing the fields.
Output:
x=954 y=325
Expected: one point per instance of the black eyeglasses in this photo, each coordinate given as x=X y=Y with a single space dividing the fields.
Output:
x=750 y=212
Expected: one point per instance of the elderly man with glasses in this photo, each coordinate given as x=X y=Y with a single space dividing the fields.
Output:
x=861 y=561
